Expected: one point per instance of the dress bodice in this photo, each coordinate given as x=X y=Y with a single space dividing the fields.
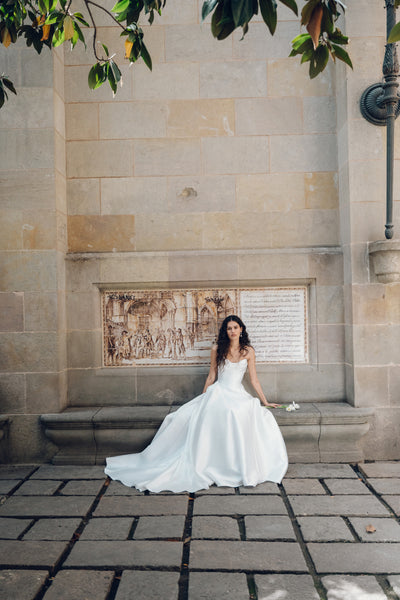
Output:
x=230 y=374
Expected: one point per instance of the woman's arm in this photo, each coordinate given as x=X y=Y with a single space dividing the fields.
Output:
x=212 y=374
x=251 y=364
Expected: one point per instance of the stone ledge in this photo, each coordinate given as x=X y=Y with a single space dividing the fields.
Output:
x=318 y=432
x=385 y=259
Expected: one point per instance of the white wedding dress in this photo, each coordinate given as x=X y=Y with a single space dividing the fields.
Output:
x=223 y=437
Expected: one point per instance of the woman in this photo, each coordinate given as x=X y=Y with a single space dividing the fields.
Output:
x=221 y=437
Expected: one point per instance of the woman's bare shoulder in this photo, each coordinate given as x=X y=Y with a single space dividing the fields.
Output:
x=249 y=352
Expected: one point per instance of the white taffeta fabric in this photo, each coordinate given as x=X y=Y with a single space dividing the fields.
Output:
x=223 y=437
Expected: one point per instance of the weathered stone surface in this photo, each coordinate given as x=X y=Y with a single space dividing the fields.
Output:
x=324 y=529
x=38 y=487
x=381 y=469
x=269 y=528
x=99 y=158
x=303 y=486
x=10 y=529
x=11 y=311
x=346 y=486
x=355 y=558
x=218 y=585
x=116 y=528
x=248 y=556
x=82 y=488
x=30 y=554
x=387 y=530
x=126 y=554
x=69 y=472
x=337 y=505
x=215 y=490
x=262 y=488
x=241 y=505
x=394 y=581
x=394 y=503
x=53 y=506
x=344 y=587
x=20 y=585
x=385 y=486
x=287 y=587
x=170 y=526
x=148 y=585
x=80 y=585
x=141 y=505
x=53 y=529
x=119 y=489
x=215 y=528
x=224 y=79
x=101 y=233
x=6 y=485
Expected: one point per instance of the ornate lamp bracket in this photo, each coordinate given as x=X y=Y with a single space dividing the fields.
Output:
x=373 y=104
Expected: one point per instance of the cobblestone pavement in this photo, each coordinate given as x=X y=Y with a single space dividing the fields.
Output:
x=329 y=532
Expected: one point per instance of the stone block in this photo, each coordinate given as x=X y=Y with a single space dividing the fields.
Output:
x=82 y=121
x=264 y=192
x=387 y=530
x=269 y=528
x=87 y=388
x=303 y=153
x=395 y=583
x=29 y=352
x=385 y=486
x=324 y=529
x=93 y=233
x=355 y=558
x=80 y=585
x=11 y=230
x=6 y=486
x=287 y=77
x=12 y=393
x=68 y=472
x=367 y=220
x=200 y=194
x=218 y=585
x=369 y=383
x=53 y=530
x=193 y=43
x=327 y=383
x=346 y=486
x=30 y=554
x=304 y=486
x=381 y=469
x=331 y=343
x=375 y=344
x=125 y=554
x=320 y=471
x=171 y=156
x=239 y=505
x=107 y=529
x=172 y=81
x=268 y=116
x=148 y=585
x=215 y=528
x=305 y=228
x=168 y=232
x=35 y=487
x=127 y=120
x=233 y=79
x=150 y=528
x=41 y=311
x=28 y=271
x=272 y=266
x=342 y=587
x=83 y=196
x=82 y=488
x=133 y=195
x=262 y=488
x=102 y=158
x=121 y=506
x=15 y=471
x=289 y=587
x=201 y=118
x=321 y=190
x=52 y=506
x=394 y=503
x=136 y=268
x=260 y=45
x=19 y=149
x=224 y=155
x=218 y=267
x=21 y=585
x=12 y=311
x=367 y=180
x=28 y=188
x=319 y=114
x=327 y=268
x=330 y=304
x=77 y=89
x=83 y=310
x=11 y=529
x=344 y=505
x=115 y=488
x=246 y=556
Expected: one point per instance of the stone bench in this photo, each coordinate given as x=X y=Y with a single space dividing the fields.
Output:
x=318 y=432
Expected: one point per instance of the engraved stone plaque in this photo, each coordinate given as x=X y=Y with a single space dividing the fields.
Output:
x=179 y=326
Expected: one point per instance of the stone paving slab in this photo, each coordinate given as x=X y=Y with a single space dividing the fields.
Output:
x=46 y=506
x=394 y=581
x=347 y=486
x=324 y=529
x=20 y=585
x=286 y=587
x=246 y=556
x=82 y=488
x=15 y=471
x=80 y=585
x=262 y=488
x=239 y=505
x=69 y=472
x=319 y=471
x=121 y=506
x=340 y=557
x=126 y=554
x=385 y=486
x=304 y=486
x=204 y=586
x=30 y=554
x=112 y=528
x=215 y=490
x=215 y=528
x=269 y=528
x=148 y=585
x=347 y=587
x=6 y=485
x=387 y=530
x=169 y=526
x=338 y=505
x=115 y=488
x=394 y=503
x=381 y=469
x=53 y=529
x=37 y=487
x=10 y=528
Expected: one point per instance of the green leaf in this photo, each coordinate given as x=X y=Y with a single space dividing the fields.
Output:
x=307 y=11
x=2 y=95
x=292 y=4
x=116 y=70
x=58 y=38
x=242 y=11
x=146 y=57
x=207 y=8
x=111 y=79
x=319 y=61
x=79 y=17
x=9 y=84
x=394 y=35
x=269 y=14
x=300 y=43
x=341 y=54
x=97 y=76
x=105 y=50
x=120 y=6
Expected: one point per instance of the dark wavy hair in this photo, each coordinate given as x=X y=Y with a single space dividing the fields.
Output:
x=223 y=339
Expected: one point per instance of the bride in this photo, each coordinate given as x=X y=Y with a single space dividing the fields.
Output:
x=223 y=437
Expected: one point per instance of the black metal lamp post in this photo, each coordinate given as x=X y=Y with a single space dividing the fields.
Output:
x=380 y=105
